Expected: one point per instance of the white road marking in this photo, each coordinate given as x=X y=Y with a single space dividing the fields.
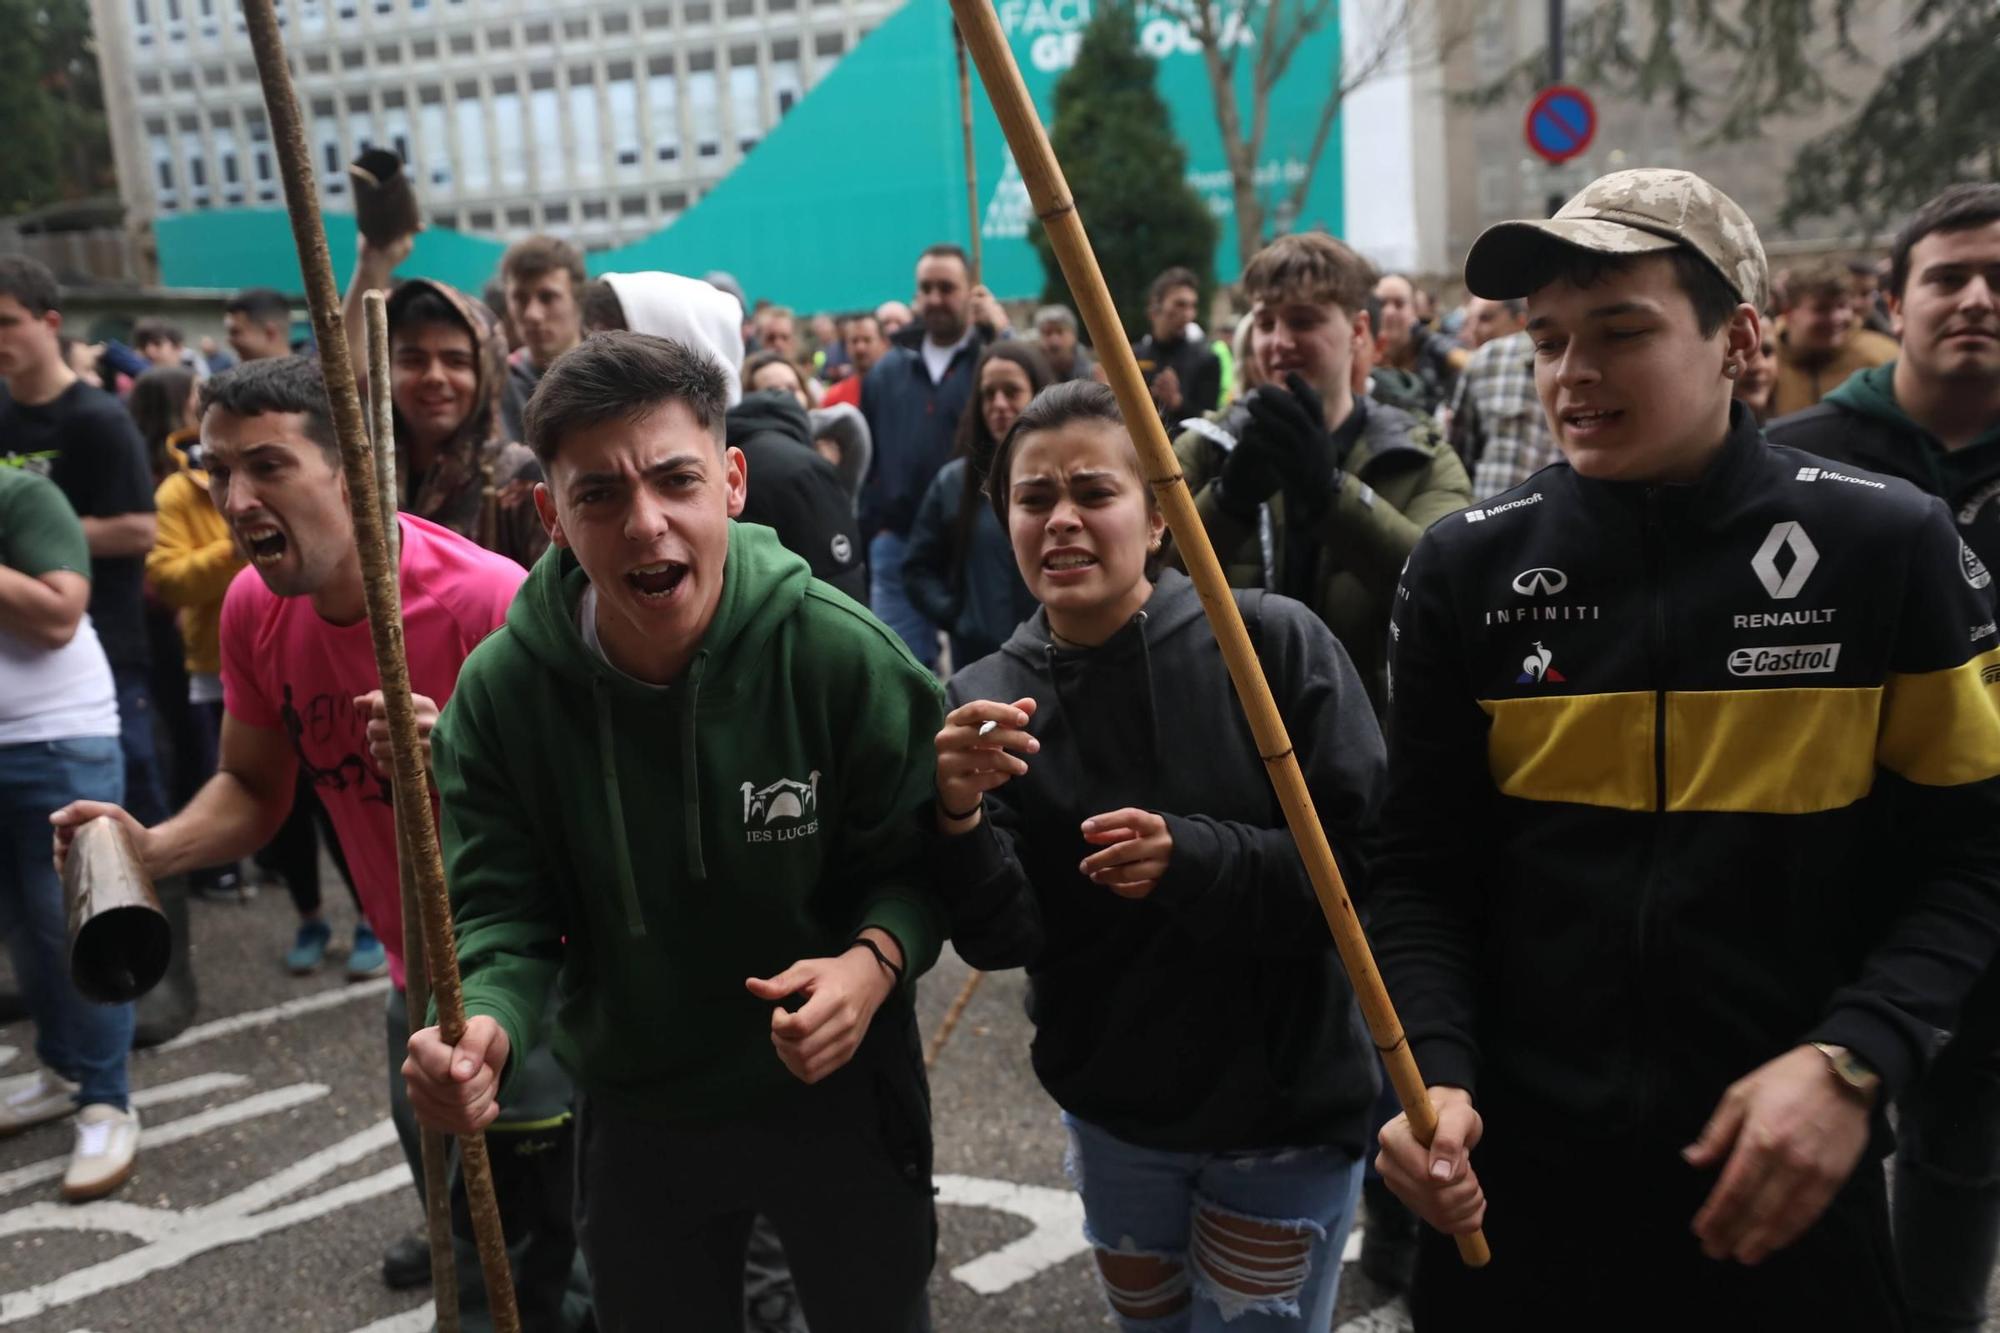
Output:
x=185 y=1089
x=7 y=1054
x=173 y=1131
x=277 y=1013
x=1391 y=1318
x=173 y=1236
x=1057 y=1216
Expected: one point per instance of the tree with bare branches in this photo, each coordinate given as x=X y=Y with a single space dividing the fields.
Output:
x=1249 y=46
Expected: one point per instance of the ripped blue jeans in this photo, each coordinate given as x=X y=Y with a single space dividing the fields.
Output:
x=1198 y=1242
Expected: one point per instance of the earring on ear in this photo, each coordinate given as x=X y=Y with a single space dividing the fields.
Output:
x=1732 y=368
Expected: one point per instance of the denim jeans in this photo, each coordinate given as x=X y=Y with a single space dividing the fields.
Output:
x=1947 y=1196
x=891 y=604
x=84 y=1042
x=145 y=794
x=1164 y=1205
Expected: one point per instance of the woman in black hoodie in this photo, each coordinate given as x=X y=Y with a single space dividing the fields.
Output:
x=1115 y=834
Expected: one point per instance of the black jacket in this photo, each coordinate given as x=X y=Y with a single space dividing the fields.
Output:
x=978 y=598
x=1861 y=425
x=1681 y=778
x=913 y=422
x=795 y=492
x=1194 y=364
x=1212 y=1014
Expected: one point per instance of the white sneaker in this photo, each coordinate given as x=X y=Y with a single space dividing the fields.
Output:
x=107 y=1141
x=32 y=1099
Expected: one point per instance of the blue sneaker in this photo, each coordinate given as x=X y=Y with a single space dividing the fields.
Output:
x=367 y=958
x=308 y=947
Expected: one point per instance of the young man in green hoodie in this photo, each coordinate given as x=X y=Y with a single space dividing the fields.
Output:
x=704 y=833
x=1932 y=417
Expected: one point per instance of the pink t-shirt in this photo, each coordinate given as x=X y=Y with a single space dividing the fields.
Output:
x=284 y=666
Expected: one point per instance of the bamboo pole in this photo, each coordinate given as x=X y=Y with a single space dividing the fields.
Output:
x=951 y=1017
x=415 y=823
x=1057 y=210
x=957 y=1009
x=971 y=167
x=433 y=1148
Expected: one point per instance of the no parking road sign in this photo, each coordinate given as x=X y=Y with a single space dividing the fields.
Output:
x=1562 y=120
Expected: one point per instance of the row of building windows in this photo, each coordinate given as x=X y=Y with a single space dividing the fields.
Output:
x=175 y=21
x=578 y=134
x=783 y=51
x=558 y=213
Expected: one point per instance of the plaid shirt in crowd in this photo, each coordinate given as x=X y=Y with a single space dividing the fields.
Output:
x=1497 y=423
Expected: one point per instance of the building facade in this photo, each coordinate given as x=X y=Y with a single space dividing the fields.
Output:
x=598 y=120
x=1491 y=175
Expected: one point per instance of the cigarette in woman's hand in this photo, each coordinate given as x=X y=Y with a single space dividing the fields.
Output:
x=988 y=728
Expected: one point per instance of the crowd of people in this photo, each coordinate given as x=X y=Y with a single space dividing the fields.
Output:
x=1632 y=619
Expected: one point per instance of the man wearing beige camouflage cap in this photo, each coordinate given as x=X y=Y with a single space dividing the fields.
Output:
x=1654 y=713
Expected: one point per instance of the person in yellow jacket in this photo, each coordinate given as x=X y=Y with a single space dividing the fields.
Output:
x=189 y=569
x=190 y=566
x=1820 y=343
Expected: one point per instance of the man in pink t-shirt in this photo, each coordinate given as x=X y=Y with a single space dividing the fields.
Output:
x=286 y=668
x=299 y=692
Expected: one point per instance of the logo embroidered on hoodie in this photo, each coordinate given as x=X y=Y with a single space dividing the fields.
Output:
x=783 y=811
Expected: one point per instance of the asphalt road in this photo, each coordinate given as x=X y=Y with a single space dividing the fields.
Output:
x=268 y=1182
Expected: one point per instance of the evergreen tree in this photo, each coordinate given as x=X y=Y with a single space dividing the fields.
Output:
x=55 y=146
x=1128 y=172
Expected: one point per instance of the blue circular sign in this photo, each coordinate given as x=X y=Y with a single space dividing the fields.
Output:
x=1562 y=121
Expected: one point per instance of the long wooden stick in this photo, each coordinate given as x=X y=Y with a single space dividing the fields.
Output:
x=433 y=1148
x=951 y=1017
x=971 y=166
x=1057 y=210
x=378 y=577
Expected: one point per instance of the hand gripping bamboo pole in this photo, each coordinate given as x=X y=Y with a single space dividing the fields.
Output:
x=433 y=1147
x=378 y=577
x=1053 y=204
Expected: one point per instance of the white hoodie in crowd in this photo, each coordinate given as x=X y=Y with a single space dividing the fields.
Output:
x=689 y=311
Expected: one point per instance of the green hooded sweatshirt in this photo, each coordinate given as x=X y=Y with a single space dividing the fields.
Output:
x=648 y=849
x=1872 y=393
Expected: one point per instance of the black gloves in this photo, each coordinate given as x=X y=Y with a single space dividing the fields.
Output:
x=1285 y=445
x=1250 y=475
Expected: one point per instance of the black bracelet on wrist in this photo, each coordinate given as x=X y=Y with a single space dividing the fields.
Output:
x=977 y=806
x=863 y=942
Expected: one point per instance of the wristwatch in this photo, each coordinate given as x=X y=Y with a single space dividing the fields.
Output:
x=1848 y=1068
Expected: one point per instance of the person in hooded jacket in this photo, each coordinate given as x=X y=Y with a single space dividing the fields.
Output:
x=1932 y=418
x=793 y=489
x=707 y=829
x=795 y=492
x=455 y=464
x=1115 y=835
x=1306 y=487
x=959 y=569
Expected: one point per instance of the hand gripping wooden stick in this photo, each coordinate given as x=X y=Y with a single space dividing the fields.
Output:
x=416 y=829
x=1053 y=204
x=433 y=1147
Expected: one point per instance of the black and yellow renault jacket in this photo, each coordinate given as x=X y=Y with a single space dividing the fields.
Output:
x=1683 y=777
